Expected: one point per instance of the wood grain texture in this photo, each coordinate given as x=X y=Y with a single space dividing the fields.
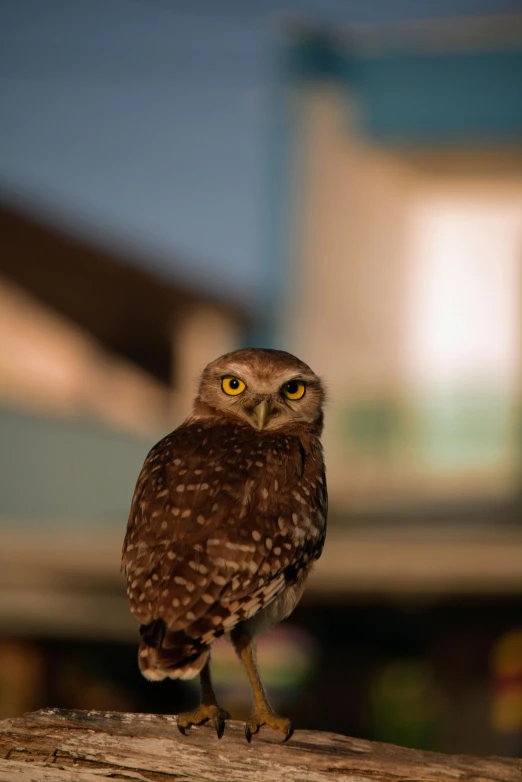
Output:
x=54 y=745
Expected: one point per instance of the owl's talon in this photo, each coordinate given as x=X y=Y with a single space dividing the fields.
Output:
x=220 y=727
x=268 y=717
x=204 y=713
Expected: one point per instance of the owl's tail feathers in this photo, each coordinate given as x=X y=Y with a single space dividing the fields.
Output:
x=153 y=633
x=162 y=656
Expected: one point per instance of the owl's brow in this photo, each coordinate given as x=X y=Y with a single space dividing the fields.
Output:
x=301 y=378
x=232 y=372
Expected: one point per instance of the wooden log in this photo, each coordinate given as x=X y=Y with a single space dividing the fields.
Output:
x=53 y=745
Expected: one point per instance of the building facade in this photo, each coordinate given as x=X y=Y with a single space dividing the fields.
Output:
x=403 y=226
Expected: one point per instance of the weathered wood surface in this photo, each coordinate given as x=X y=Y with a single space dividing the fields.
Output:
x=53 y=745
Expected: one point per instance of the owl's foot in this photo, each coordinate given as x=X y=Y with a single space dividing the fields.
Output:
x=265 y=716
x=262 y=713
x=206 y=712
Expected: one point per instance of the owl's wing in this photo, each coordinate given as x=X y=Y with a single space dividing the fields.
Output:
x=221 y=522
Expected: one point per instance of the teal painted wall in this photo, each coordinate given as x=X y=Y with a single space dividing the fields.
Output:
x=419 y=98
x=60 y=470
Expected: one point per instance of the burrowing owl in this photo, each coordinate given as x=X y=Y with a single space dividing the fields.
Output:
x=228 y=516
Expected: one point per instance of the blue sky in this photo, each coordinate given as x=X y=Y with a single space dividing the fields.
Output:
x=150 y=119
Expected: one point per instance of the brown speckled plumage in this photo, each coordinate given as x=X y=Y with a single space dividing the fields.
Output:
x=226 y=518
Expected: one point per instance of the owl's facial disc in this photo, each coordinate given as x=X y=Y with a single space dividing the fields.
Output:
x=266 y=389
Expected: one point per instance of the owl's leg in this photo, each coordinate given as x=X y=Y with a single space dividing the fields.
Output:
x=262 y=713
x=208 y=710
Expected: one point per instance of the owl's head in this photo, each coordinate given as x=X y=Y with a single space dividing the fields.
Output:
x=266 y=389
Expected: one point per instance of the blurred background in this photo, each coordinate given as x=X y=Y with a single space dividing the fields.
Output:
x=340 y=179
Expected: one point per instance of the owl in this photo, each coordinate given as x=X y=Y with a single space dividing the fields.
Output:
x=227 y=520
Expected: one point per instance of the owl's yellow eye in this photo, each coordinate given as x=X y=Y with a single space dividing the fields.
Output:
x=294 y=389
x=232 y=385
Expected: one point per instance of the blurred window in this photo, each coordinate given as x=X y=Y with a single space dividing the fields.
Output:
x=463 y=329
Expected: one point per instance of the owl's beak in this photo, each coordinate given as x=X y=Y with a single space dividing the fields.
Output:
x=262 y=412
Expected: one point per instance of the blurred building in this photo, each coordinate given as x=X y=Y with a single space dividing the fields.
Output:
x=94 y=331
x=99 y=358
x=397 y=228
x=405 y=234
